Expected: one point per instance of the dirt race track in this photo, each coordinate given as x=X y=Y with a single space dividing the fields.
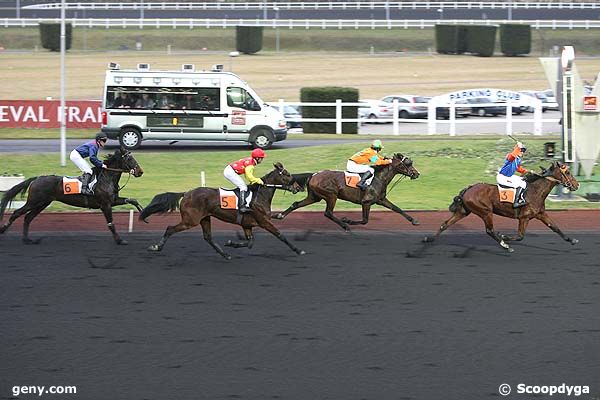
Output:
x=367 y=315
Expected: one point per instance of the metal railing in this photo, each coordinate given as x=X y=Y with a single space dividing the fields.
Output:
x=536 y=122
x=290 y=23
x=324 y=5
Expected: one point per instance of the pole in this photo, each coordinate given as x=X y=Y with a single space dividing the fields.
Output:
x=130 y=221
x=18 y=9
x=62 y=114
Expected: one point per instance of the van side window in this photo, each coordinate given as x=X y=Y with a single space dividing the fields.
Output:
x=238 y=97
x=163 y=98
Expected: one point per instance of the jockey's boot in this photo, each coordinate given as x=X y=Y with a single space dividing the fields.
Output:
x=520 y=198
x=364 y=177
x=85 y=182
x=242 y=208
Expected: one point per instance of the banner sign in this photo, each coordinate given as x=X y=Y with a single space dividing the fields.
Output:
x=590 y=103
x=45 y=114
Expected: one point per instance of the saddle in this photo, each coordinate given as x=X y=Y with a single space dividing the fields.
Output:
x=72 y=184
x=352 y=179
x=228 y=198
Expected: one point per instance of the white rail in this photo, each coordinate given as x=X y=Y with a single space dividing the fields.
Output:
x=291 y=23
x=536 y=122
x=323 y=5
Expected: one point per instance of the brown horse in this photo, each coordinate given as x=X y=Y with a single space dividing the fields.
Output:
x=483 y=200
x=199 y=204
x=331 y=185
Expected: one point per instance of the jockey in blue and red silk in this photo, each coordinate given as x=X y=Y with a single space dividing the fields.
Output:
x=244 y=166
x=89 y=149
x=506 y=175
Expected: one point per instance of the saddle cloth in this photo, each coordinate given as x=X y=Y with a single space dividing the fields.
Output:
x=72 y=184
x=352 y=179
x=506 y=193
x=228 y=198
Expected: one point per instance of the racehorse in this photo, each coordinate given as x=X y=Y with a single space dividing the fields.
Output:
x=483 y=200
x=198 y=205
x=43 y=190
x=331 y=185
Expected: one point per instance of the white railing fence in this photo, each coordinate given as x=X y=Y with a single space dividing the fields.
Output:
x=536 y=122
x=192 y=23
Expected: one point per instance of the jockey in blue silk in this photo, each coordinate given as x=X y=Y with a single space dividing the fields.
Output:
x=506 y=175
x=89 y=149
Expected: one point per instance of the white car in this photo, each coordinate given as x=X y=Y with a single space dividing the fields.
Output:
x=372 y=110
x=552 y=103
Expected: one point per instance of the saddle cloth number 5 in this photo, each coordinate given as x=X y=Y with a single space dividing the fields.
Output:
x=228 y=202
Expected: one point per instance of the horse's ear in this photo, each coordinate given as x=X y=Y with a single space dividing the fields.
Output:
x=278 y=165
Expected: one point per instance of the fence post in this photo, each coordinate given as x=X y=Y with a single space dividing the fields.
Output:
x=395 y=122
x=509 y=121
x=202 y=179
x=338 y=116
x=431 y=123
x=537 y=118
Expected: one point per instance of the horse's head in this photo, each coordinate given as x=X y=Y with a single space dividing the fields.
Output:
x=562 y=174
x=123 y=159
x=280 y=176
x=404 y=165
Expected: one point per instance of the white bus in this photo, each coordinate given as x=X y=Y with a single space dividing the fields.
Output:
x=143 y=104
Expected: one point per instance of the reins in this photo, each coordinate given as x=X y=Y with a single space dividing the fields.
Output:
x=121 y=171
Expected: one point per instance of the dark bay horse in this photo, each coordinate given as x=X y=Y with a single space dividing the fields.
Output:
x=482 y=199
x=198 y=205
x=330 y=186
x=43 y=190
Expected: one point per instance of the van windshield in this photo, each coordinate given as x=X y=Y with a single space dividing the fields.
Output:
x=238 y=97
x=163 y=98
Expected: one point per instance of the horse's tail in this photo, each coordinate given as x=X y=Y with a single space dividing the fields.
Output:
x=162 y=203
x=12 y=193
x=458 y=204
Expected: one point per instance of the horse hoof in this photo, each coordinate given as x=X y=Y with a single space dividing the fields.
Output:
x=29 y=241
x=279 y=216
x=510 y=250
x=415 y=222
x=574 y=241
x=154 y=247
x=227 y=257
x=122 y=242
x=427 y=239
x=301 y=253
x=229 y=243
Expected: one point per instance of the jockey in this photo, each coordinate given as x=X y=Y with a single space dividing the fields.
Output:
x=89 y=149
x=244 y=166
x=361 y=162
x=506 y=175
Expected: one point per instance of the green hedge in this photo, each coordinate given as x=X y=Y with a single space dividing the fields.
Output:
x=50 y=36
x=515 y=39
x=328 y=95
x=481 y=40
x=450 y=39
x=248 y=39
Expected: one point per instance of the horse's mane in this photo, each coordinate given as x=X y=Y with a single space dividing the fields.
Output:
x=529 y=178
x=302 y=179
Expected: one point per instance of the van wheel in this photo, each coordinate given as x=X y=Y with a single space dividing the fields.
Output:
x=262 y=139
x=130 y=139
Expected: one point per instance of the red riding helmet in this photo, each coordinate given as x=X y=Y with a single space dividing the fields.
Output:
x=258 y=153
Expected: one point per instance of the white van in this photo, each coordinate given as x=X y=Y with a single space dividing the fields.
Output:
x=211 y=105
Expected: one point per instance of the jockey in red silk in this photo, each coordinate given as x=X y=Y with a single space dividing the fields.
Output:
x=506 y=175
x=244 y=166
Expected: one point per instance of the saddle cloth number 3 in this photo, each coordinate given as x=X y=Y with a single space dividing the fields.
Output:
x=507 y=195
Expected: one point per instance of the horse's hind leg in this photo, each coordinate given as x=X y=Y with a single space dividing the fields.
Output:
x=310 y=199
x=523 y=222
x=329 y=214
x=248 y=243
x=457 y=216
x=16 y=214
x=488 y=220
x=28 y=218
x=206 y=230
x=171 y=229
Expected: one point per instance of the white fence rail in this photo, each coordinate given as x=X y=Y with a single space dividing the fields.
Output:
x=324 y=5
x=290 y=23
x=536 y=122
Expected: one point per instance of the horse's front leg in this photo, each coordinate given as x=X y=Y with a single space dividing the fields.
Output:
x=545 y=218
x=522 y=228
x=107 y=211
x=389 y=205
x=268 y=226
x=123 y=200
x=366 y=209
x=248 y=243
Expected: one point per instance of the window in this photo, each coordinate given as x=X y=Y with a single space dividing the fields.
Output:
x=238 y=97
x=163 y=98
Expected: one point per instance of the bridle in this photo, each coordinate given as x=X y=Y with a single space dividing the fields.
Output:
x=120 y=170
x=563 y=170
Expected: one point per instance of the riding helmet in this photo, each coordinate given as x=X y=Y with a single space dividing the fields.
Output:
x=258 y=153
x=101 y=137
x=376 y=145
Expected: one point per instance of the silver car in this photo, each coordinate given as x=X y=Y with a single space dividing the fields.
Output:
x=373 y=110
x=409 y=106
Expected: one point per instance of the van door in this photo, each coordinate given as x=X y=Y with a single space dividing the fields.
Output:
x=245 y=113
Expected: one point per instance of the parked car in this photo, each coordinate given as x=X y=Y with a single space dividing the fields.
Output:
x=462 y=109
x=516 y=110
x=552 y=102
x=374 y=110
x=483 y=110
x=407 y=107
x=290 y=113
x=539 y=95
